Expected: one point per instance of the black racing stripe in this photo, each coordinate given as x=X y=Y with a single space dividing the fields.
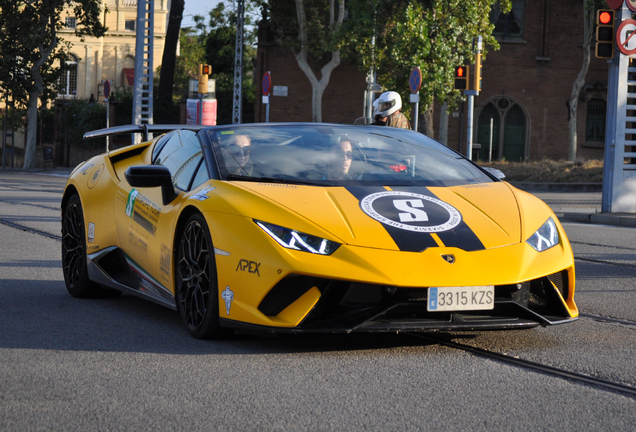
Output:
x=461 y=237
x=407 y=241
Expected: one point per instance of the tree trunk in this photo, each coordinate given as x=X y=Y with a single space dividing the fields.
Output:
x=169 y=58
x=32 y=127
x=573 y=101
x=318 y=86
x=443 y=124
x=427 y=127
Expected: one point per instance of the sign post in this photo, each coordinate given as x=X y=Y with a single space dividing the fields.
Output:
x=415 y=83
x=106 y=95
x=619 y=167
x=471 y=101
x=266 y=86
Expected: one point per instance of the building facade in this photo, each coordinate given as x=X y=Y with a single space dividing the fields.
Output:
x=525 y=87
x=111 y=57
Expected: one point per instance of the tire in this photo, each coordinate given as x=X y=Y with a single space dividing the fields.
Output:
x=74 y=261
x=196 y=282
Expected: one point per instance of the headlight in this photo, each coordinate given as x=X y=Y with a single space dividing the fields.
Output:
x=296 y=240
x=546 y=237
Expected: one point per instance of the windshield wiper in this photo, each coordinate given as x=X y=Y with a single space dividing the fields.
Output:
x=269 y=180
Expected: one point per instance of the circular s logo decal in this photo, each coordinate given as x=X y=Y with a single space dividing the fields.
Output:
x=410 y=211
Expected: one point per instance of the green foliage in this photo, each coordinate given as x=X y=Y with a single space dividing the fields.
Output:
x=393 y=36
x=31 y=49
x=80 y=116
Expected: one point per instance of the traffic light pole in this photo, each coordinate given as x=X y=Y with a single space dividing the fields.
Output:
x=471 y=104
x=619 y=178
x=471 y=96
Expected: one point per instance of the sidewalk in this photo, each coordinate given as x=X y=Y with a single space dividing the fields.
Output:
x=580 y=203
x=572 y=202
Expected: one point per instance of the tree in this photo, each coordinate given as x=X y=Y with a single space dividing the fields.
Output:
x=169 y=57
x=589 y=10
x=313 y=32
x=33 y=53
x=393 y=36
x=219 y=40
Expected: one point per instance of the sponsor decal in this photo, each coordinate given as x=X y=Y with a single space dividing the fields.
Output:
x=248 y=266
x=91 y=232
x=411 y=211
x=93 y=248
x=228 y=296
x=94 y=178
x=287 y=186
x=137 y=239
x=164 y=263
x=143 y=211
x=87 y=168
x=203 y=194
x=412 y=214
x=449 y=258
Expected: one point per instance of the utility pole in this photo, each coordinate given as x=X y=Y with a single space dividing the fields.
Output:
x=237 y=107
x=144 y=44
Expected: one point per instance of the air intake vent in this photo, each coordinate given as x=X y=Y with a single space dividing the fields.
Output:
x=560 y=280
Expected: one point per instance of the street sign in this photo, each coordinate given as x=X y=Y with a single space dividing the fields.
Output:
x=614 y=4
x=631 y=4
x=267 y=83
x=626 y=37
x=415 y=80
x=106 y=89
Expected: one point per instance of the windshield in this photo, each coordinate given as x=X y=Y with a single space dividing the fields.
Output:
x=338 y=154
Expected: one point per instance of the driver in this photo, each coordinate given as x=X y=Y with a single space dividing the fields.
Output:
x=340 y=158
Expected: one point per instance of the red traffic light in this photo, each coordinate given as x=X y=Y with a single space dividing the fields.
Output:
x=460 y=72
x=605 y=17
x=207 y=70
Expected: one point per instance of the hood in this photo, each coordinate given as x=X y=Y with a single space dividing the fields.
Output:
x=470 y=217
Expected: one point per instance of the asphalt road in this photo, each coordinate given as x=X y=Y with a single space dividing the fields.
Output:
x=127 y=364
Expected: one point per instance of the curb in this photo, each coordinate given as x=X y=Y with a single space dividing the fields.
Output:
x=558 y=187
x=615 y=219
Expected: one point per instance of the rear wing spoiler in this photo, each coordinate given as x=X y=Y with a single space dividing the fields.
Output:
x=143 y=129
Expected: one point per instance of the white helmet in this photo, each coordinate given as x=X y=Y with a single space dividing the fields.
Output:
x=389 y=102
x=376 y=107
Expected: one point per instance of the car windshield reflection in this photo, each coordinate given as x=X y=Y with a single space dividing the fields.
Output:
x=338 y=154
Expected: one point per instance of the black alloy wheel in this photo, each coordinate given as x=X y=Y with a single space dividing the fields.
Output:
x=195 y=281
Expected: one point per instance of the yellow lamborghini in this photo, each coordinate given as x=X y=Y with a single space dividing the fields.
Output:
x=313 y=228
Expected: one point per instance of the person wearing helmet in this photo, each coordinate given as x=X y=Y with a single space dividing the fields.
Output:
x=390 y=106
x=378 y=120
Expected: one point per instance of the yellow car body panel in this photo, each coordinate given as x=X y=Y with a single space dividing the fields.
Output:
x=497 y=219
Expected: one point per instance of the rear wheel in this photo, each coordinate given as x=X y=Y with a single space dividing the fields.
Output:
x=195 y=281
x=74 y=264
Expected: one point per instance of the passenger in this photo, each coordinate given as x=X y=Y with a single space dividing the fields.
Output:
x=340 y=158
x=239 y=147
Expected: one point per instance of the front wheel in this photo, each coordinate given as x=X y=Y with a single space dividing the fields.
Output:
x=195 y=281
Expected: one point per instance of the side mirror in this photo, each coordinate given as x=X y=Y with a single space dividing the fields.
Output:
x=152 y=176
x=495 y=172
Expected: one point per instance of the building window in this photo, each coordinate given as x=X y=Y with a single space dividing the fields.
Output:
x=595 y=121
x=510 y=24
x=70 y=22
x=129 y=25
x=68 y=81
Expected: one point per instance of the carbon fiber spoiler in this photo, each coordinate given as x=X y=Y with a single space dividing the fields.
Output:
x=143 y=129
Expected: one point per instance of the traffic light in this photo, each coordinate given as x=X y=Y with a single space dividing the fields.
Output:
x=204 y=71
x=476 y=81
x=461 y=77
x=604 y=33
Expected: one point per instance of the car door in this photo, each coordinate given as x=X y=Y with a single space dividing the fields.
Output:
x=149 y=229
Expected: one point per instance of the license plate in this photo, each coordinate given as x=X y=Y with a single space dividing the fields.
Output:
x=461 y=298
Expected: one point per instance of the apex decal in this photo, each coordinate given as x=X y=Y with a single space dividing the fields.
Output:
x=248 y=266
x=411 y=211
